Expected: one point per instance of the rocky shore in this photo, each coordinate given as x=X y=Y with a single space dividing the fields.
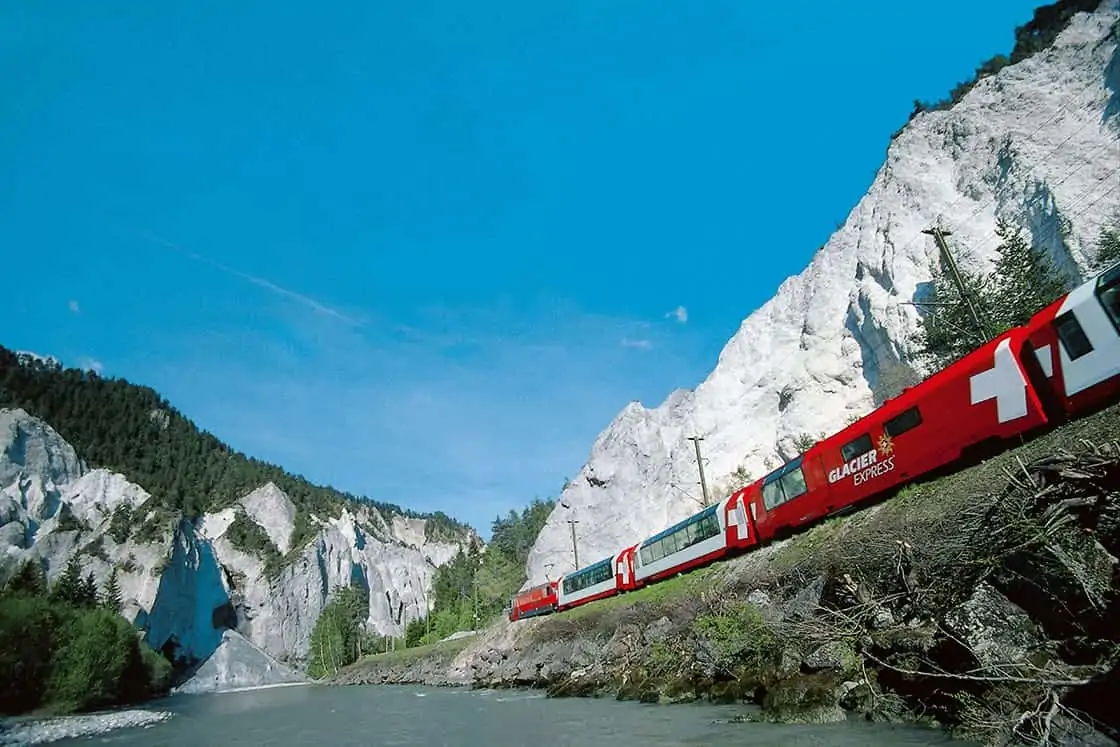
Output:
x=983 y=601
x=28 y=730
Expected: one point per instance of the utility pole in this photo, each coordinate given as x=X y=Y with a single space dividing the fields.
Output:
x=700 y=463
x=575 y=550
x=947 y=257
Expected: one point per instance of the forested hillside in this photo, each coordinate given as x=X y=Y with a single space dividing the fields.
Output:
x=132 y=430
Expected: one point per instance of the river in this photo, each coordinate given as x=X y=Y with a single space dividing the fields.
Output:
x=407 y=715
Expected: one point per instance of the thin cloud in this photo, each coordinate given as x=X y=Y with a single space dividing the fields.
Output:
x=680 y=314
x=260 y=282
x=74 y=308
x=91 y=364
x=643 y=344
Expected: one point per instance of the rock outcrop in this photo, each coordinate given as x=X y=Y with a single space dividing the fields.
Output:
x=1036 y=143
x=194 y=593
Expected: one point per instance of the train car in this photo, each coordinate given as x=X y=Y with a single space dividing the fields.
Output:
x=1076 y=342
x=538 y=600
x=695 y=541
x=589 y=583
x=979 y=400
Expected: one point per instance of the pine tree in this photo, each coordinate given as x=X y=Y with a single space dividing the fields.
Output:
x=28 y=580
x=111 y=598
x=87 y=591
x=1109 y=251
x=1023 y=280
x=68 y=587
x=948 y=331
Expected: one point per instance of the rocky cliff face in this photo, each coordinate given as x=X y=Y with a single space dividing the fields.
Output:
x=186 y=584
x=1036 y=143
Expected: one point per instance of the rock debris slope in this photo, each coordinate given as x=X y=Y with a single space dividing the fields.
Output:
x=1037 y=143
x=187 y=585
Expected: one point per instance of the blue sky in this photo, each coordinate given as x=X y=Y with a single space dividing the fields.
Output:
x=425 y=251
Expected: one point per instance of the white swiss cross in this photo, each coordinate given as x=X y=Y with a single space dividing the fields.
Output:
x=624 y=570
x=1005 y=382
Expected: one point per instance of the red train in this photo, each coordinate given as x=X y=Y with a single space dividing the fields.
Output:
x=1063 y=363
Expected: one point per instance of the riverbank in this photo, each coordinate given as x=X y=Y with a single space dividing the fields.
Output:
x=984 y=601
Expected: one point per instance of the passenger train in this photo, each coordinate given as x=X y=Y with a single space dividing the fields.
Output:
x=1062 y=364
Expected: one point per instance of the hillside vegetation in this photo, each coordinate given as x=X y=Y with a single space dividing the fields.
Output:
x=131 y=429
x=67 y=648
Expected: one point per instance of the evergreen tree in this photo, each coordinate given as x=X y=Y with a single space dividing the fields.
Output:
x=1023 y=281
x=1108 y=252
x=68 y=587
x=948 y=330
x=28 y=580
x=111 y=599
x=87 y=591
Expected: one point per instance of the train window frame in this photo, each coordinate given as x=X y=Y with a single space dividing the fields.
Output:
x=857 y=446
x=1109 y=281
x=794 y=480
x=1071 y=335
x=777 y=478
x=893 y=428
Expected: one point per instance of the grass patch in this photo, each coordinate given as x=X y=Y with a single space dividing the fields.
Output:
x=683 y=585
x=441 y=649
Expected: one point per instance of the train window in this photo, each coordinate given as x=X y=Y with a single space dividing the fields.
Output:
x=772 y=495
x=1072 y=336
x=589 y=576
x=793 y=484
x=903 y=422
x=1108 y=293
x=852 y=449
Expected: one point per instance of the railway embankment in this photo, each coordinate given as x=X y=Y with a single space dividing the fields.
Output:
x=985 y=601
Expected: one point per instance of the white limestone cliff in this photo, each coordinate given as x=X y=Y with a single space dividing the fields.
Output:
x=187 y=584
x=1036 y=143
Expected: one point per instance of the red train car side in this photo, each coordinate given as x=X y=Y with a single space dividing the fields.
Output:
x=984 y=396
x=538 y=600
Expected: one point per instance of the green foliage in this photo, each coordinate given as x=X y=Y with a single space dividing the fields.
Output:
x=1022 y=282
x=61 y=652
x=338 y=638
x=111 y=599
x=120 y=525
x=1108 y=252
x=740 y=637
x=131 y=429
x=1031 y=38
x=475 y=586
x=439 y=527
x=248 y=536
x=805 y=441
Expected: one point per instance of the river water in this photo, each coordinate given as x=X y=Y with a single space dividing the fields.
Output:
x=397 y=716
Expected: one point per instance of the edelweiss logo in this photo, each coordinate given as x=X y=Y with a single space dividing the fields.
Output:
x=886 y=445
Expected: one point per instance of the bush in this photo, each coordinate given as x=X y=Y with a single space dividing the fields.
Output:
x=58 y=655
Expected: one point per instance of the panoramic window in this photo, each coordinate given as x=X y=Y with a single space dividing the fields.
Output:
x=852 y=449
x=692 y=530
x=1073 y=338
x=783 y=484
x=589 y=576
x=903 y=422
x=1108 y=293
